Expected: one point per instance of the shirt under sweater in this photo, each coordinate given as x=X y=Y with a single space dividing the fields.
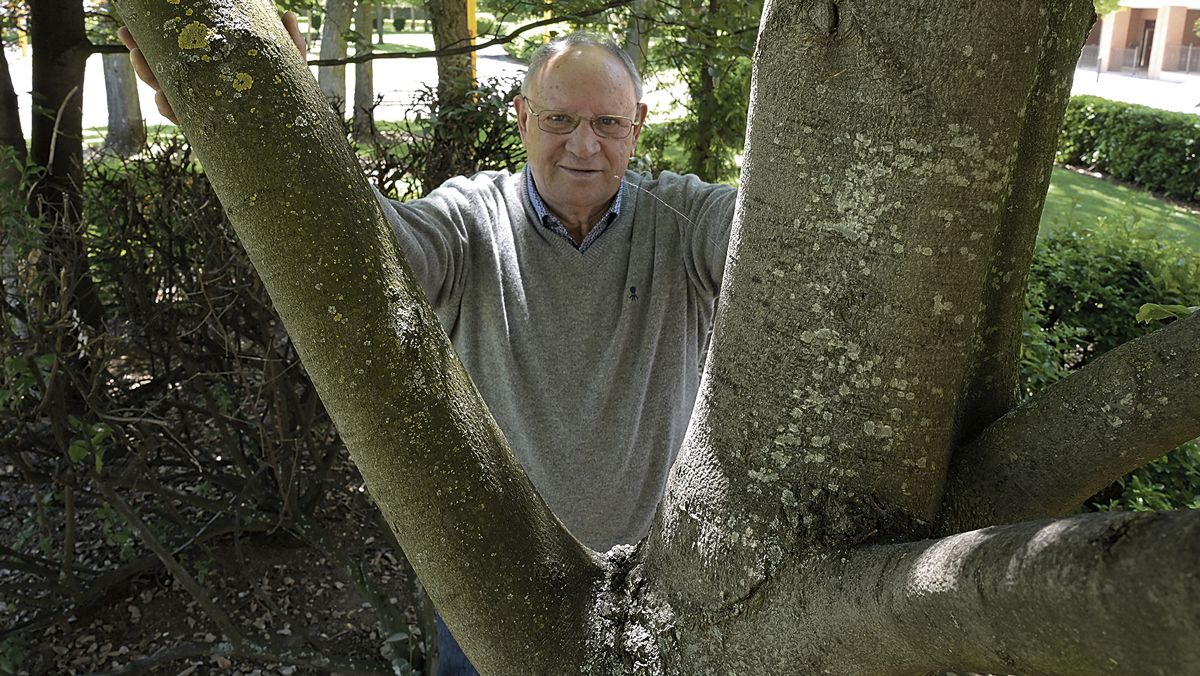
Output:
x=588 y=360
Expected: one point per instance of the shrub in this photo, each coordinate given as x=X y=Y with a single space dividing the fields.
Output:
x=1153 y=148
x=485 y=24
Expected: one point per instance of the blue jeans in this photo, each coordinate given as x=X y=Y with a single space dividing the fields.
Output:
x=451 y=660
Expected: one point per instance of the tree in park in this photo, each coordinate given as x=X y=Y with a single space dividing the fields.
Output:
x=857 y=492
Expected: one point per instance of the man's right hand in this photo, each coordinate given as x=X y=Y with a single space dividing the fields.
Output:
x=143 y=69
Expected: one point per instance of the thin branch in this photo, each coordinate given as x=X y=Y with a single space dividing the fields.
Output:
x=198 y=594
x=1072 y=439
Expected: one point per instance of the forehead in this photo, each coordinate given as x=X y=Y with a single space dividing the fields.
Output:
x=583 y=77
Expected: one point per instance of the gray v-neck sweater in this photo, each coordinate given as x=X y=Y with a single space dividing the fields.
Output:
x=589 y=361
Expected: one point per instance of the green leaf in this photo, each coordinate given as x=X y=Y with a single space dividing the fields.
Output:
x=1151 y=312
x=77 y=451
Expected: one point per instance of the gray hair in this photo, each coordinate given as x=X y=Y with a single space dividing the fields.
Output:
x=579 y=39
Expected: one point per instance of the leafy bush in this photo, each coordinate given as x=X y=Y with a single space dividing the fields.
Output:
x=443 y=139
x=1153 y=148
x=1085 y=289
x=485 y=24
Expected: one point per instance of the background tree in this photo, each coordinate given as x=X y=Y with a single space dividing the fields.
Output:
x=858 y=397
x=126 y=132
x=60 y=51
x=363 y=113
x=335 y=30
x=13 y=149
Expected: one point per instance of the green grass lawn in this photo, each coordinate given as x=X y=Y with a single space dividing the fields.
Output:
x=1079 y=200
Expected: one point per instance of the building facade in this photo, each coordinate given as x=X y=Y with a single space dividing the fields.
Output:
x=1146 y=36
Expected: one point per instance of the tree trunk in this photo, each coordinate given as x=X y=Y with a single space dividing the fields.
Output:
x=334 y=28
x=450 y=30
x=364 y=87
x=890 y=188
x=60 y=51
x=126 y=128
x=12 y=138
x=637 y=36
x=702 y=160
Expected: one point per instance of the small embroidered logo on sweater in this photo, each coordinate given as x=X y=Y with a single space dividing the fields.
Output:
x=633 y=293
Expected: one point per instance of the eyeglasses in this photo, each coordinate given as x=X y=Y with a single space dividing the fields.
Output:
x=562 y=122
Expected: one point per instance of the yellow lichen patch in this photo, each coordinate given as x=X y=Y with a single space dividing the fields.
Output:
x=252 y=52
x=173 y=2
x=195 y=35
x=278 y=80
x=190 y=11
x=217 y=92
x=242 y=82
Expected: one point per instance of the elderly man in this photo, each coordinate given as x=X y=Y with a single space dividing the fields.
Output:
x=577 y=294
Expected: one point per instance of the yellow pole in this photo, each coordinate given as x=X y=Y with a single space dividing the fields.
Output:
x=546 y=15
x=473 y=29
x=21 y=41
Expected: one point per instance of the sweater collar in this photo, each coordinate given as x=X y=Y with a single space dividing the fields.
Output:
x=547 y=219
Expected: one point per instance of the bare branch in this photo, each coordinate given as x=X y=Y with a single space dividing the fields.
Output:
x=1075 y=437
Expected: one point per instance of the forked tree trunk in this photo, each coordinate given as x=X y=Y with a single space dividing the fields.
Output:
x=126 y=128
x=334 y=28
x=896 y=162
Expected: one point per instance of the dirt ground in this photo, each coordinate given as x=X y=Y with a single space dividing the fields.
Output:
x=276 y=590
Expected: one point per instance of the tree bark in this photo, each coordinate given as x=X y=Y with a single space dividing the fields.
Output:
x=449 y=20
x=364 y=87
x=1068 y=441
x=637 y=36
x=433 y=458
x=60 y=51
x=334 y=28
x=12 y=137
x=868 y=251
x=126 y=128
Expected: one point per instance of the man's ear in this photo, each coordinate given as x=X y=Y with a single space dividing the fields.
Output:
x=640 y=117
x=522 y=114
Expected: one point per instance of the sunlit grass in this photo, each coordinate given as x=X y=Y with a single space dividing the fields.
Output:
x=1080 y=200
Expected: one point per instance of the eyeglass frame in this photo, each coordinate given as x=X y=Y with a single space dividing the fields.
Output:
x=633 y=122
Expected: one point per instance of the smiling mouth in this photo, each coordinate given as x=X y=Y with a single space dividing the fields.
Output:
x=580 y=172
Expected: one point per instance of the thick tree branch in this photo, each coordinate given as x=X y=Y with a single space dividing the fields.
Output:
x=1063 y=445
x=434 y=460
x=1110 y=593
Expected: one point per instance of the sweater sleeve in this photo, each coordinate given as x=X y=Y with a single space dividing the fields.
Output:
x=437 y=232
x=709 y=218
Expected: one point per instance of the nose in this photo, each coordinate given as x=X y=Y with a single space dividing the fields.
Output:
x=583 y=142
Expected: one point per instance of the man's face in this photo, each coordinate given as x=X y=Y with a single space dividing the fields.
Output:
x=576 y=172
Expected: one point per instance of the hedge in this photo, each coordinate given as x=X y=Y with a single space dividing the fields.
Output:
x=1155 y=149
